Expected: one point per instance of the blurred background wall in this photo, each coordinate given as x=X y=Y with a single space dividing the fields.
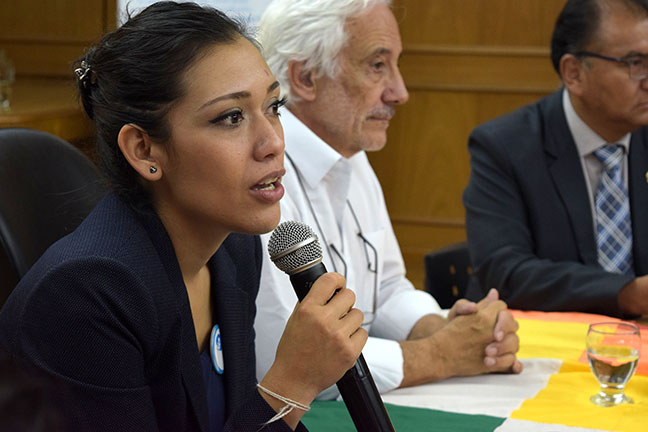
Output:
x=464 y=62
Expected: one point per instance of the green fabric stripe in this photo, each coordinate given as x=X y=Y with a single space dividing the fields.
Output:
x=333 y=416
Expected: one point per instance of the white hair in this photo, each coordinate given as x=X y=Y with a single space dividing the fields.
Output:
x=311 y=31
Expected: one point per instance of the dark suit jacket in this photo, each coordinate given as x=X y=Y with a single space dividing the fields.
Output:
x=105 y=314
x=528 y=216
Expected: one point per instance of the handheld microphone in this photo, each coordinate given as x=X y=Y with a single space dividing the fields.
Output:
x=294 y=248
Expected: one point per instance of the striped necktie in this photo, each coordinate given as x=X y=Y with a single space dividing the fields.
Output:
x=613 y=226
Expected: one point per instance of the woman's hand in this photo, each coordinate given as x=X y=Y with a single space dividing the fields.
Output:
x=321 y=341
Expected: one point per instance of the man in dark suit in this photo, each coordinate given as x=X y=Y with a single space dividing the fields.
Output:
x=557 y=203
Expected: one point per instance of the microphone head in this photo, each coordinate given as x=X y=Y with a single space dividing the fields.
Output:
x=293 y=247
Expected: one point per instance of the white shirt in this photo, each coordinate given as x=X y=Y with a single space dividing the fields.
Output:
x=334 y=187
x=587 y=142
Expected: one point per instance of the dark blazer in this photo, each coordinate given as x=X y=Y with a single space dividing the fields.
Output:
x=105 y=314
x=528 y=216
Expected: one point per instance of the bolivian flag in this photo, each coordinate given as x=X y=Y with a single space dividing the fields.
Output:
x=551 y=395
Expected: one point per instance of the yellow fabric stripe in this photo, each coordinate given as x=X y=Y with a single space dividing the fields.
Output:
x=547 y=339
x=565 y=400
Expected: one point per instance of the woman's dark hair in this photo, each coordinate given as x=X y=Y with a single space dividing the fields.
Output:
x=578 y=22
x=134 y=75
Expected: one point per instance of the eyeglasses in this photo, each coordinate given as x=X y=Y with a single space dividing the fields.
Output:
x=369 y=316
x=372 y=266
x=637 y=63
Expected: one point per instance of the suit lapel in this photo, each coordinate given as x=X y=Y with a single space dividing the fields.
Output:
x=192 y=370
x=567 y=173
x=638 y=192
x=190 y=366
x=234 y=312
x=233 y=318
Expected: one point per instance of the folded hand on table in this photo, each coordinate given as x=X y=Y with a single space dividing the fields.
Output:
x=476 y=338
x=501 y=351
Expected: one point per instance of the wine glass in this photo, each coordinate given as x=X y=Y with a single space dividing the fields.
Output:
x=613 y=351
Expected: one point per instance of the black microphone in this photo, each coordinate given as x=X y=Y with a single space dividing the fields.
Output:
x=294 y=248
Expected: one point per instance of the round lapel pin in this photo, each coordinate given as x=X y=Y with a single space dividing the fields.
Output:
x=216 y=349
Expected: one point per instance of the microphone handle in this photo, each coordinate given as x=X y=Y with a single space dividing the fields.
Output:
x=362 y=399
x=356 y=386
x=304 y=280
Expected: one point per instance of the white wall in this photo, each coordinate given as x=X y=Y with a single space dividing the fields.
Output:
x=247 y=10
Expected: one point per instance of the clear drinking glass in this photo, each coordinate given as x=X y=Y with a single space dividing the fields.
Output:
x=7 y=77
x=613 y=351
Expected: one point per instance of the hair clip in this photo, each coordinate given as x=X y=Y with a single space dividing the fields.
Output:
x=84 y=73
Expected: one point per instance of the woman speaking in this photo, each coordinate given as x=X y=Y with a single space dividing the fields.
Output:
x=143 y=316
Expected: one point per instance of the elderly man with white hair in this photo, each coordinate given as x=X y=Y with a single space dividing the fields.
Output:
x=337 y=62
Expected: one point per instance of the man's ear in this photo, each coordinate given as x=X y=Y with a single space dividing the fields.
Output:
x=302 y=82
x=572 y=73
x=138 y=149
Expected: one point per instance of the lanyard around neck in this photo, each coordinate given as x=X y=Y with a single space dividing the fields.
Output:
x=315 y=218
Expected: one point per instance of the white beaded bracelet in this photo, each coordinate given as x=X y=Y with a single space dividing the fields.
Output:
x=290 y=404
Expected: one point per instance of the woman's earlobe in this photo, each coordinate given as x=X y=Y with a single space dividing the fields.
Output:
x=136 y=146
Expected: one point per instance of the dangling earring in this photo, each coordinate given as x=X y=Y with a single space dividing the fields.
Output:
x=152 y=169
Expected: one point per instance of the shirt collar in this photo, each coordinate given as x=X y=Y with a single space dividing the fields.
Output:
x=587 y=141
x=314 y=157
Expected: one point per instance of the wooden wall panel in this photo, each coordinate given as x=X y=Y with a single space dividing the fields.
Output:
x=464 y=62
x=430 y=164
x=34 y=60
x=477 y=22
x=424 y=170
x=429 y=67
x=51 y=20
x=43 y=38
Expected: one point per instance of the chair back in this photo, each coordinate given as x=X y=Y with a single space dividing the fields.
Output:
x=447 y=271
x=47 y=187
